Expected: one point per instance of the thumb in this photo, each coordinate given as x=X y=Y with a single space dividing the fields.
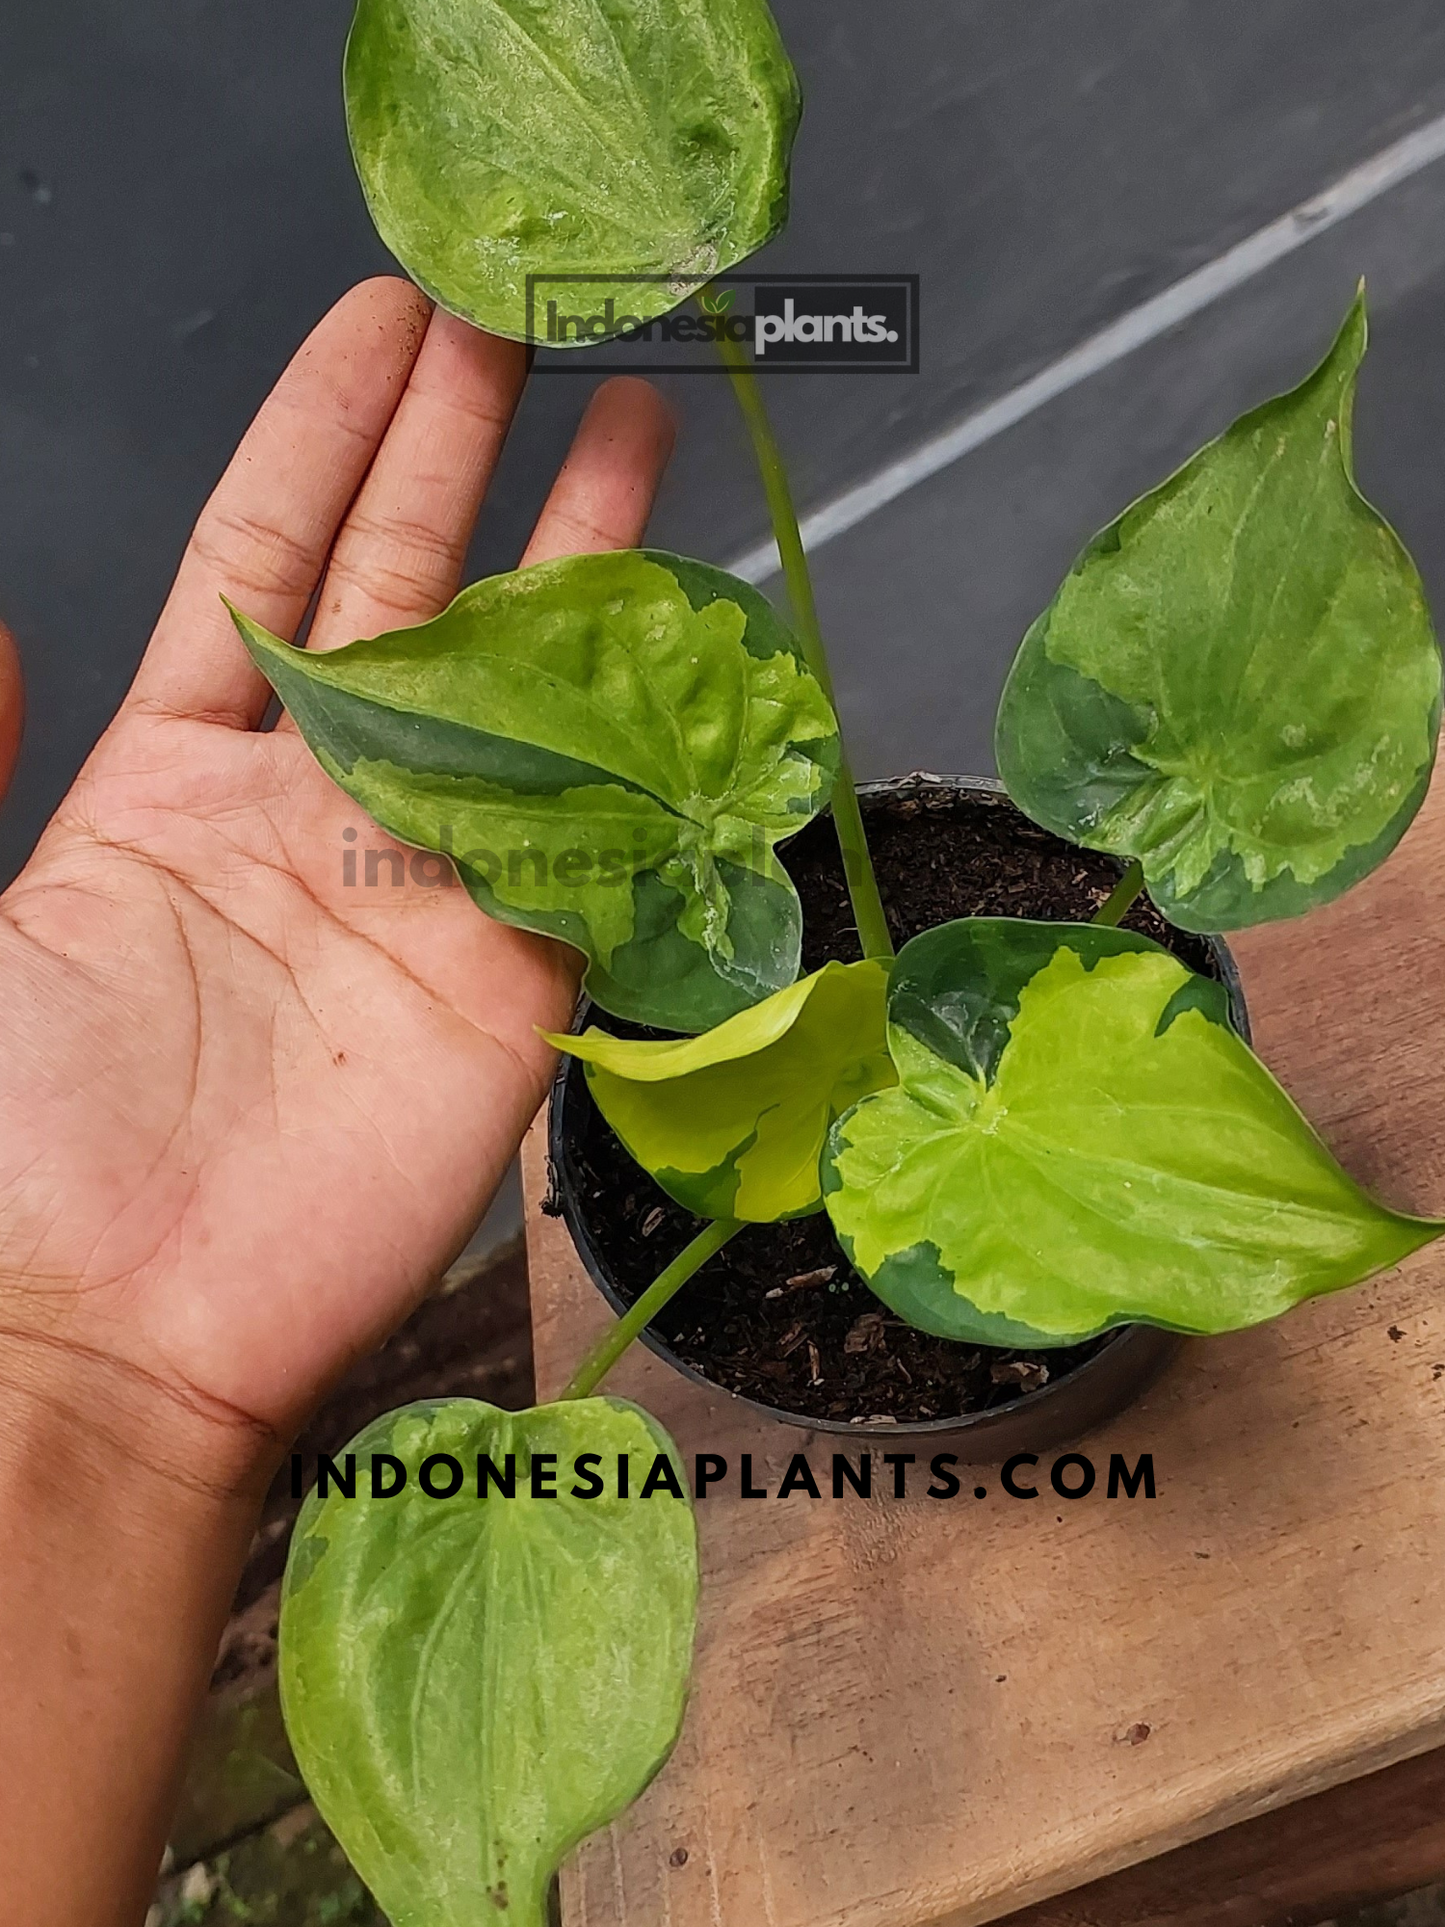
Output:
x=12 y=706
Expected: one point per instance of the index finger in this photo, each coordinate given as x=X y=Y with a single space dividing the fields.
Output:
x=264 y=535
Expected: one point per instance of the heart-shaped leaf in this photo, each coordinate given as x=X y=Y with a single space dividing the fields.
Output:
x=473 y=1684
x=732 y=1123
x=1080 y=1140
x=1238 y=683
x=608 y=747
x=638 y=148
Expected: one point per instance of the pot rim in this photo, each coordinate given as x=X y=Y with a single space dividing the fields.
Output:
x=1153 y=1344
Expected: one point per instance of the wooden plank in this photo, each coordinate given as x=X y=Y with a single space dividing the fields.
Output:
x=1315 y=1860
x=908 y=1712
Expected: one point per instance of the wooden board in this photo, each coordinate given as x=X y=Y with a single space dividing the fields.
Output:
x=1357 y=1843
x=911 y=1712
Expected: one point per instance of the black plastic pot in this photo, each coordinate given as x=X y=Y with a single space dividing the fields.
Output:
x=1070 y=1405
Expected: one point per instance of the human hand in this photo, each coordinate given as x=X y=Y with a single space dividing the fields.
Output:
x=247 y=1113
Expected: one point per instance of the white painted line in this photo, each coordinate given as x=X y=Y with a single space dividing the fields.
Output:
x=1147 y=322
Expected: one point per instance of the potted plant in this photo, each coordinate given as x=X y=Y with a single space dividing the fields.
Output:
x=1033 y=1137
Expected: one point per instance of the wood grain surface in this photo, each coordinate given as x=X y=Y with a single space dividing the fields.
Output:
x=913 y=1713
x=1357 y=1843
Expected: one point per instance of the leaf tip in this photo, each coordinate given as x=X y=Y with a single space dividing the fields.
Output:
x=1347 y=350
x=257 y=638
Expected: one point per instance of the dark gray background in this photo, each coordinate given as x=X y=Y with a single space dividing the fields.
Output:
x=177 y=207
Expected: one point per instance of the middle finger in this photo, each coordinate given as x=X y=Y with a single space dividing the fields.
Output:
x=398 y=559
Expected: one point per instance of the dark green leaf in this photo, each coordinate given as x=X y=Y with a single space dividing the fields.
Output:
x=1238 y=683
x=1080 y=1140
x=608 y=747
x=472 y=1685
x=956 y=988
x=641 y=144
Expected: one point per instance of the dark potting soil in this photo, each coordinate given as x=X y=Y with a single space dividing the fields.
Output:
x=779 y=1314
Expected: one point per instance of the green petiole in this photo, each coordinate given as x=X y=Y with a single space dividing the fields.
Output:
x=847 y=817
x=616 y=1339
x=1121 y=898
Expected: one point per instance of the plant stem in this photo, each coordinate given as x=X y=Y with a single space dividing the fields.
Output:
x=1121 y=897
x=615 y=1340
x=847 y=818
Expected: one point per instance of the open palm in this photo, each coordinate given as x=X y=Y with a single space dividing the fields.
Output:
x=247 y=1111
